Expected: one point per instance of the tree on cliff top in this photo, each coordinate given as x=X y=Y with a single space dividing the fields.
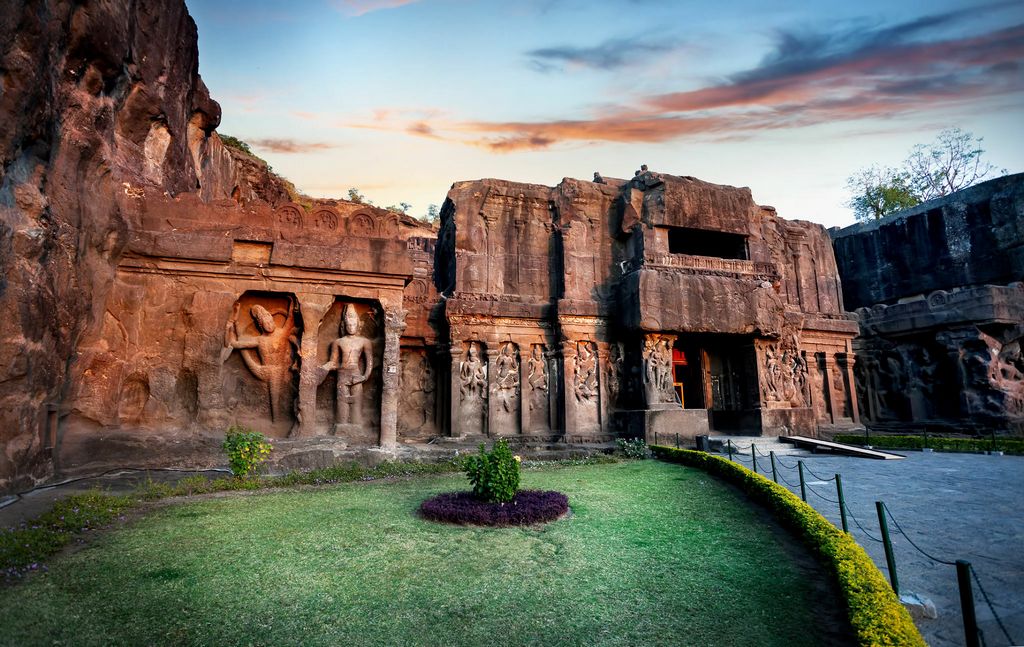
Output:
x=950 y=163
x=877 y=191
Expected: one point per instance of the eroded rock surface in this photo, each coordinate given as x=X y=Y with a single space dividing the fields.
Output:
x=939 y=292
x=102 y=104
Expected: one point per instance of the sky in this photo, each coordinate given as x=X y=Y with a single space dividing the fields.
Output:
x=401 y=98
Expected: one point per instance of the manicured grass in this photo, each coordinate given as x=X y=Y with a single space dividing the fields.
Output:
x=653 y=554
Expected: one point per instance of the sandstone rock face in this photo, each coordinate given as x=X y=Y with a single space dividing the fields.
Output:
x=972 y=237
x=101 y=103
x=610 y=299
x=941 y=304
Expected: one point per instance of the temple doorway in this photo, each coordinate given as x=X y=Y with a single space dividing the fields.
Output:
x=718 y=373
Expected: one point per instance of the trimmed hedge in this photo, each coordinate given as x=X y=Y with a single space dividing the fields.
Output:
x=875 y=612
x=943 y=444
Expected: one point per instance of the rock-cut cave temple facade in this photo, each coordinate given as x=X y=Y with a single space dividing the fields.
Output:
x=572 y=314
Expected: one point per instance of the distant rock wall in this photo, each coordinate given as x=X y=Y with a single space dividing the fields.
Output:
x=101 y=102
x=972 y=237
x=939 y=290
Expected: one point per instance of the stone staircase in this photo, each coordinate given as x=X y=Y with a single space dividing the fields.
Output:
x=765 y=445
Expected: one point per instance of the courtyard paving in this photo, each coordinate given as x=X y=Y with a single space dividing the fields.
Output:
x=953 y=506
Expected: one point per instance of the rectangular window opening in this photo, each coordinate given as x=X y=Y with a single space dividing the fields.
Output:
x=701 y=242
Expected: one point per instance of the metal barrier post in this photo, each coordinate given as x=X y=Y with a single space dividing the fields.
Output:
x=803 y=484
x=753 y=456
x=963 y=579
x=775 y=474
x=655 y=438
x=677 y=441
x=729 y=442
x=842 y=502
x=890 y=559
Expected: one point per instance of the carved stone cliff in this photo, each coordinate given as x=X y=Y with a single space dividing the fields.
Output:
x=940 y=293
x=102 y=103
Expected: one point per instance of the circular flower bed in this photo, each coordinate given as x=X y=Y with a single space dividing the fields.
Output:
x=528 y=507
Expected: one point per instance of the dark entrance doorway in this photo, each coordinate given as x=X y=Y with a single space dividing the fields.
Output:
x=718 y=373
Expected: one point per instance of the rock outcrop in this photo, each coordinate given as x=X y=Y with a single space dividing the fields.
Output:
x=940 y=296
x=102 y=102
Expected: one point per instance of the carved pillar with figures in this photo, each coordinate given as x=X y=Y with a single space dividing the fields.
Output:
x=394 y=325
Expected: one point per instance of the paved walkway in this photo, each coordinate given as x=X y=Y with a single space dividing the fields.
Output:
x=954 y=506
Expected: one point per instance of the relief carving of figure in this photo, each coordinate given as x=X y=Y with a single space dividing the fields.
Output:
x=658 y=383
x=585 y=365
x=269 y=356
x=614 y=371
x=538 y=377
x=507 y=376
x=351 y=355
x=473 y=374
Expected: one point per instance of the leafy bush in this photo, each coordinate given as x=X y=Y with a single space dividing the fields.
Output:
x=1007 y=445
x=633 y=447
x=246 y=449
x=494 y=474
x=527 y=507
x=875 y=612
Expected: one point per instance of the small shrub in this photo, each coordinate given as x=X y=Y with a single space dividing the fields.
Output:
x=633 y=447
x=246 y=449
x=494 y=474
x=527 y=507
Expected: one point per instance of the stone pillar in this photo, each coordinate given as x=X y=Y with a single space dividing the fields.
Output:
x=846 y=361
x=313 y=307
x=491 y=426
x=829 y=365
x=525 y=392
x=568 y=377
x=455 y=427
x=394 y=325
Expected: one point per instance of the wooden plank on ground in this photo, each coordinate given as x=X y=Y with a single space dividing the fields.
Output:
x=839 y=448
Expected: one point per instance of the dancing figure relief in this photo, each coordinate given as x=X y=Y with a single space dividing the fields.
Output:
x=269 y=355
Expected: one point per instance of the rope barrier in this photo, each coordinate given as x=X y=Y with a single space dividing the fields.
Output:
x=821 y=496
x=862 y=528
x=907 y=537
x=783 y=463
x=820 y=478
x=784 y=480
x=991 y=608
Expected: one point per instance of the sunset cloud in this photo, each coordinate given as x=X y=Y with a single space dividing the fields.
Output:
x=845 y=73
x=290 y=146
x=362 y=7
x=609 y=55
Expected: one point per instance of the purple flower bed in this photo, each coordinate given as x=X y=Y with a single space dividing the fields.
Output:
x=528 y=507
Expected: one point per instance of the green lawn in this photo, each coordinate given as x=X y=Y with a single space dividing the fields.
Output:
x=653 y=554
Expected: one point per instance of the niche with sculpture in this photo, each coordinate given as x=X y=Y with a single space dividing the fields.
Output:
x=472 y=390
x=506 y=390
x=586 y=386
x=540 y=371
x=417 y=401
x=260 y=361
x=350 y=347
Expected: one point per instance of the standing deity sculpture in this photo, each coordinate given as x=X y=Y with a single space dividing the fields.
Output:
x=351 y=355
x=538 y=376
x=473 y=374
x=506 y=369
x=614 y=371
x=268 y=355
x=585 y=365
x=659 y=388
